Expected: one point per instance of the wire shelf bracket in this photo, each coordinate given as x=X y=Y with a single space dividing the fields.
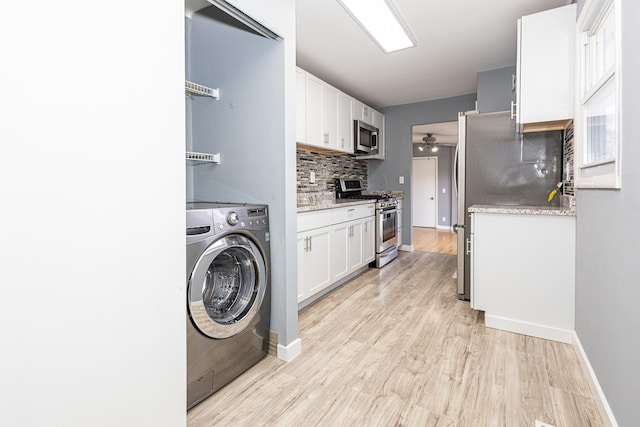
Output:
x=194 y=89
x=203 y=157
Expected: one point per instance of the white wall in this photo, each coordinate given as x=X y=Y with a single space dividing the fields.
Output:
x=92 y=311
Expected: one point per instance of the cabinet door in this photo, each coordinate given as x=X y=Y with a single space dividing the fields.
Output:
x=329 y=116
x=546 y=66
x=339 y=250
x=301 y=107
x=345 y=123
x=355 y=245
x=368 y=240
x=314 y=254
x=313 y=114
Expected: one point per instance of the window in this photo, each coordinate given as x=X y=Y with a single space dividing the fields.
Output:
x=597 y=127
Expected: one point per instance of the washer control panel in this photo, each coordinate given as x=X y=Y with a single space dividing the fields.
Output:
x=241 y=217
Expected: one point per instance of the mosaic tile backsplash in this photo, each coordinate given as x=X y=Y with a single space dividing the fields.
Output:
x=327 y=168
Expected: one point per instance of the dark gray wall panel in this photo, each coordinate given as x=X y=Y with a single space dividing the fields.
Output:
x=494 y=90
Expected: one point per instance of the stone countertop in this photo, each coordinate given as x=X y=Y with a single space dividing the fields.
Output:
x=330 y=204
x=398 y=194
x=523 y=210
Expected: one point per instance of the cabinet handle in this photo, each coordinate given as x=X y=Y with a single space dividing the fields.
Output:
x=342 y=142
x=468 y=247
x=365 y=227
x=310 y=249
x=513 y=82
x=326 y=138
x=306 y=244
x=513 y=108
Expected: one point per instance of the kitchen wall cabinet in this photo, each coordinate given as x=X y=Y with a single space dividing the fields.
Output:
x=301 y=102
x=522 y=273
x=330 y=117
x=345 y=122
x=325 y=116
x=333 y=244
x=313 y=111
x=545 y=69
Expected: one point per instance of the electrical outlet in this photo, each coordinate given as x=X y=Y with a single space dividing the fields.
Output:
x=444 y=219
x=444 y=191
x=312 y=177
x=401 y=179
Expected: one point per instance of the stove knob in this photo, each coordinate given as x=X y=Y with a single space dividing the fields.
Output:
x=232 y=218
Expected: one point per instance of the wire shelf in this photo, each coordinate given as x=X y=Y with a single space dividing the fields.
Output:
x=194 y=89
x=203 y=157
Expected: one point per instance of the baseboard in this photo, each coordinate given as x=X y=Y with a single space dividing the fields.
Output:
x=291 y=351
x=407 y=248
x=601 y=401
x=526 y=328
x=444 y=227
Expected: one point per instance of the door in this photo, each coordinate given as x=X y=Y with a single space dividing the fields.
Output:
x=423 y=193
x=227 y=286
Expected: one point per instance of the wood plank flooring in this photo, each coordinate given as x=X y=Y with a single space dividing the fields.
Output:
x=395 y=347
x=434 y=240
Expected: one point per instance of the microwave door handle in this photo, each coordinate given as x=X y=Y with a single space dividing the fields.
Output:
x=374 y=140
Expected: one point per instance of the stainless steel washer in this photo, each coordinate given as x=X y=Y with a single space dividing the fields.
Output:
x=228 y=293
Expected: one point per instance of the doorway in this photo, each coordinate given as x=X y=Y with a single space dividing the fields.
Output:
x=434 y=147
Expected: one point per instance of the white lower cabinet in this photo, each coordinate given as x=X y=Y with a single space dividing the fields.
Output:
x=314 y=269
x=369 y=240
x=332 y=244
x=523 y=273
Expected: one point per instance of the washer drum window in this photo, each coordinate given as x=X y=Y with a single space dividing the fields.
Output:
x=227 y=286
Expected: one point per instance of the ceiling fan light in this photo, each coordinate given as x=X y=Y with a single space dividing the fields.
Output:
x=421 y=147
x=434 y=148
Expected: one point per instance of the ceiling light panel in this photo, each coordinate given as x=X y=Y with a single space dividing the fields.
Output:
x=382 y=21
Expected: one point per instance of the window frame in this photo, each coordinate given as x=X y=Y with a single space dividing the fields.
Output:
x=606 y=173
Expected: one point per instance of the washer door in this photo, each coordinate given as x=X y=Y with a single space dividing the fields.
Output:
x=227 y=286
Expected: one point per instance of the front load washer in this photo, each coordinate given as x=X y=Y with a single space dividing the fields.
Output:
x=228 y=293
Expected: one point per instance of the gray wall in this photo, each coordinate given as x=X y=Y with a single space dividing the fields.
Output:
x=399 y=120
x=495 y=90
x=607 y=279
x=247 y=127
x=446 y=203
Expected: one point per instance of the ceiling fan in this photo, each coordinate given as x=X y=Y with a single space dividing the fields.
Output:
x=429 y=142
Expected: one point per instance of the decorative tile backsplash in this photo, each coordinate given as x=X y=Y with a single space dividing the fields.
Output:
x=327 y=167
x=568 y=194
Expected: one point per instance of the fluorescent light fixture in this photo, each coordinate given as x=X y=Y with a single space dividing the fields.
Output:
x=382 y=21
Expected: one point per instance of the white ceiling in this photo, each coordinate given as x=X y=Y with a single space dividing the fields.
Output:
x=456 y=40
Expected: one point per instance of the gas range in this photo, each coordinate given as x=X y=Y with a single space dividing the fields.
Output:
x=352 y=189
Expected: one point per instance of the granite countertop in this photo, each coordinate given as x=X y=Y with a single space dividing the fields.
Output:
x=330 y=204
x=523 y=210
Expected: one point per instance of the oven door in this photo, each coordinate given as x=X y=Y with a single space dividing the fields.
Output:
x=386 y=228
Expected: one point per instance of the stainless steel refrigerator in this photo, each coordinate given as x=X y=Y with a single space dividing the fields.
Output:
x=498 y=166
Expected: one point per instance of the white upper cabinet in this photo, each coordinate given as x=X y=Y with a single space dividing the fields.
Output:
x=325 y=116
x=301 y=102
x=329 y=116
x=313 y=111
x=545 y=72
x=345 y=123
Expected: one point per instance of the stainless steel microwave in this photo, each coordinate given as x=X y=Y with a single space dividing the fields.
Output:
x=365 y=138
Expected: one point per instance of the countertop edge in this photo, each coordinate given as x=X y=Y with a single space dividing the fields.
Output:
x=522 y=210
x=333 y=205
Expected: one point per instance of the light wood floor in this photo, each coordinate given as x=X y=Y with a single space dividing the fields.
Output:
x=434 y=240
x=395 y=347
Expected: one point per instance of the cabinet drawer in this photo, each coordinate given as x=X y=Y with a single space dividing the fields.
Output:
x=314 y=219
x=353 y=212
